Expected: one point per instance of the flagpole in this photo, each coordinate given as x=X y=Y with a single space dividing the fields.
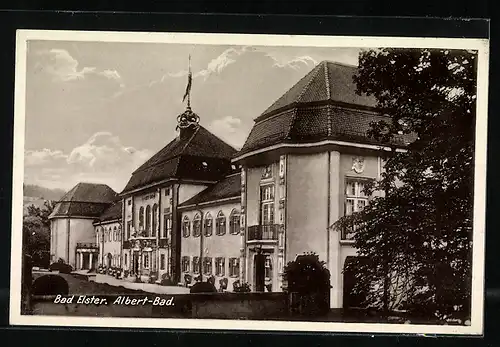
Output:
x=189 y=94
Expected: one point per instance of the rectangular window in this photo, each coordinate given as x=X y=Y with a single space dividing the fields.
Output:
x=146 y=260
x=355 y=201
x=162 y=261
x=208 y=227
x=196 y=265
x=185 y=264
x=220 y=225
x=167 y=192
x=125 y=260
x=234 y=267
x=207 y=266
x=129 y=202
x=196 y=227
x=186 y=228
x=234 y=227
x=220 y=267
x=167 y=225
x=129 y=229
x=267 y=204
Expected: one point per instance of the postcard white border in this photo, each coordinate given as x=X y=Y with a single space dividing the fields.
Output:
x=481 y=45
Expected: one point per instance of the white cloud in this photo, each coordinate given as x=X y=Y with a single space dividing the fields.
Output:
x=229 y=129
x=293 y=63
x=101 y=159
x=63 y=67
x=111 y=74
x=41 y=157
x=216 y=65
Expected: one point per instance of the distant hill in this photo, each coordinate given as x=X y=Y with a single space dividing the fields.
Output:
x=34 y=192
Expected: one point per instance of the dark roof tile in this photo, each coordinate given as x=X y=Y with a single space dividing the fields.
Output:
x=322 y=105
x=113 y=212
x=328 y=81
x=229 y=187
x=189 y=151
x=90 y=192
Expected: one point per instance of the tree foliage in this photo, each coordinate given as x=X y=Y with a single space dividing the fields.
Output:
x=417 y=229
x=36 y=233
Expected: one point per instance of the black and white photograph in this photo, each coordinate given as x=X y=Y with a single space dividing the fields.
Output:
x=249 y=182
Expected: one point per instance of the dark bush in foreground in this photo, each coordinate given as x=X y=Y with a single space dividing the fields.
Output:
x=50 y=285
x=61 y=267
x=203 y=287
x=308 y=280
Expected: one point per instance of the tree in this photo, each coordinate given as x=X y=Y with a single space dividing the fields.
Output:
x=417 y=231
x=36 y=234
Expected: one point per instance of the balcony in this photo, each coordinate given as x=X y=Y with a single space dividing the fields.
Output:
x=86 y=245
x=263 y=232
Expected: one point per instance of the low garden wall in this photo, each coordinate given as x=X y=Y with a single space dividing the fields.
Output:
x=231 y=305
x=206 y=305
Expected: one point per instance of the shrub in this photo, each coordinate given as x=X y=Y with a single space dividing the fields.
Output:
x=188 y=279
x=203 y=287
x=309 y=280
x=223 y=284
x=50 y=285
x=61 y=267
x=153 y=277
x=307 y=274
x=166 y=280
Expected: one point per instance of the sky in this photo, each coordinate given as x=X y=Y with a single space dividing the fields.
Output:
x=95 y=111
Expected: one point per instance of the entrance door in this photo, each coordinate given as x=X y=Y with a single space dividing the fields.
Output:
x=136 y=263
x=352 y=298
x=260 y=272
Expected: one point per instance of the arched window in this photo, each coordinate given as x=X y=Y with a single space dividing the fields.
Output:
x=155 y=220
x=115 y=234
x=234 y=222
x=119 y=233
x=97 y=236
x=185 y=226
x=208 y=225
x=197 y=225
x=220 y=224
x=141 y=217
x=148 y=220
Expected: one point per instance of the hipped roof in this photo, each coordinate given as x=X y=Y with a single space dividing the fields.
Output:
x=323 y=105
x=200 y=156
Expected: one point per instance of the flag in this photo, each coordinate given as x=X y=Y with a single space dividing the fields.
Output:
x=190 y=80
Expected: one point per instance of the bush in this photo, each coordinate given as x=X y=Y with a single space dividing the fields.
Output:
x=309 y=280
x=50 y=285
x=307 y=274
x=203 y=287
x=61 y=267
x=239 y=287
x=223 y=284
x=188 y=279
x=166 y=280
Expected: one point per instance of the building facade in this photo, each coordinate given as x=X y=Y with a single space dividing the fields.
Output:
x=72 y=233
x=211 y=235
x=108 y=236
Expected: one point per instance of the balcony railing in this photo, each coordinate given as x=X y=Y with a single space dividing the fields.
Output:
x=263 y=232
x=86 y=245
